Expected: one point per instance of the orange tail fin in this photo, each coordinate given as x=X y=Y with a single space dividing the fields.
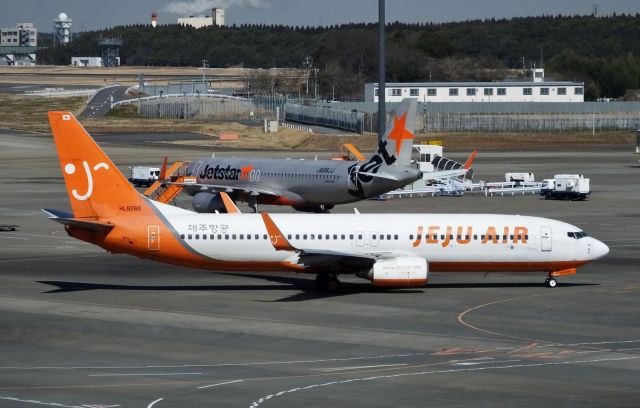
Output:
x=469 y=162
x=95 y=186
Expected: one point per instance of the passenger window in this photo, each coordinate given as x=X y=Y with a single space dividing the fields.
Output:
x=350 y=236
x=410 y=237
x=233 y=236
x=204 y=236
x=226 y=236
x=241 y=236
x=297 y=236
x=257 y=236
x=181 y=236
x=335 y=236
x=190 y=236
x=319 y=236
x=342 y=236
x=395 y=237
x=197 y=236
x=248 y=236
x=219 y=236
x=212 y=236
x=304 y=236
x=288 y=236
x=327 y=236
x=265 y=237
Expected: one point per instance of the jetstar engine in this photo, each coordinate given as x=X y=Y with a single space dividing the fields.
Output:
x=402 y=271
x=208 y=203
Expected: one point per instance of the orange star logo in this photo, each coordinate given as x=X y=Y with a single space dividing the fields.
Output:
x=244 y=171
x=399 y=133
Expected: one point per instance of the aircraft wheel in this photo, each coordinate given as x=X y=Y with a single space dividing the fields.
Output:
x=324 y=281
x=333 y=284
x=551 y=283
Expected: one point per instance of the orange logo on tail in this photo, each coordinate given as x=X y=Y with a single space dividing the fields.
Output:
x=399 y=132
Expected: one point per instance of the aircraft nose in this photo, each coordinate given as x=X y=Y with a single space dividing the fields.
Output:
x=598 y=249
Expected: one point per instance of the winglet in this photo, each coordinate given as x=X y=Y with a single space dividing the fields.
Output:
x=231 y=207
x=469 y=162
x=278 y=240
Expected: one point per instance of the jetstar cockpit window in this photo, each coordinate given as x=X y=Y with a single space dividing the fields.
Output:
x=577 y=234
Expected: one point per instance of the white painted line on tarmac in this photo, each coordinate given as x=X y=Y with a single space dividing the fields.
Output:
x=356 y=367
x=260 y=401
x=590 y=343
x=623 y=246
x=472 y=363
x=218 y=384
x=140 y=374
x=50 y=404
x=154 y=402
x=207 y=365
x=18 y=238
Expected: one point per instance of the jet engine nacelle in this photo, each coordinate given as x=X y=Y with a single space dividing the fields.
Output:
x=402 y=271
x=208 y=203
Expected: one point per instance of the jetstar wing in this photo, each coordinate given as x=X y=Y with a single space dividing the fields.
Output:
x=190 y=183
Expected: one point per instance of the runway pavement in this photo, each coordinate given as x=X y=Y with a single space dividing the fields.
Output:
x=83 y=328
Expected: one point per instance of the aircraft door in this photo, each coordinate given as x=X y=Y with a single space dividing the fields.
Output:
x=545 y=238
x=373 y=239
x=359 y=238
x=153 y=238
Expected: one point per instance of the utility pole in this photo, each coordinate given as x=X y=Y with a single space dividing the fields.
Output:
x=382 y=122
x=204 y=71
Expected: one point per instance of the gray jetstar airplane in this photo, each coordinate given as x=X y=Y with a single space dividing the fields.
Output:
x=307 y=185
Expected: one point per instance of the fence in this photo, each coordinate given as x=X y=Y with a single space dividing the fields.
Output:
x=192 y=107
x=508 y=117
x=324 y=116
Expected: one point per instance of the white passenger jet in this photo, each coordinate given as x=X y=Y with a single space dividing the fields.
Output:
x=394 y=250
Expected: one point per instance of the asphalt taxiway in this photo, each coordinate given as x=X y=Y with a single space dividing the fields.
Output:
x=82 y=328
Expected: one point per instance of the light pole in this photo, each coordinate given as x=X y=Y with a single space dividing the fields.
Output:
x=382 y=122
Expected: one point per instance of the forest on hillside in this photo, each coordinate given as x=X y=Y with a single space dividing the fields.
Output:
x=604 y=52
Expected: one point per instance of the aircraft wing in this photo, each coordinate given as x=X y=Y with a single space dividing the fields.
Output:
x=280 y=243
x=239 y=188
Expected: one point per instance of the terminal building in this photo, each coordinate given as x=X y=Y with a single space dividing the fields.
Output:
x=18 y=45
x=535 y=90
x=216 y=19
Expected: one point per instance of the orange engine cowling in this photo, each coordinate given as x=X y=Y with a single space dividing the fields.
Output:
x=402 y=271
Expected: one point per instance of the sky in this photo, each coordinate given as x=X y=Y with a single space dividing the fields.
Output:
x=94 y=14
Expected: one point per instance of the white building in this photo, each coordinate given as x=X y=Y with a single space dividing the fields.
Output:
x=89 y=61
x=536 y=90
x=22 y=35
x=215 y=19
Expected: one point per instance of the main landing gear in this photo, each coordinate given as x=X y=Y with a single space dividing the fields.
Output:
x=328 y=282
x=551 y=282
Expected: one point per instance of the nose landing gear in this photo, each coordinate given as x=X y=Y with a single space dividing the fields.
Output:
x=551 y=282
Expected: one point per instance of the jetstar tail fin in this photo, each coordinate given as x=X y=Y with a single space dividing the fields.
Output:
x=95 y=186
x=397 y=141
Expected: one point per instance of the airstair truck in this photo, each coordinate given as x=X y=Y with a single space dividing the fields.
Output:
x=566 y=187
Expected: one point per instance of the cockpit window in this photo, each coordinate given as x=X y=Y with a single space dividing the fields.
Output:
x=577 y=234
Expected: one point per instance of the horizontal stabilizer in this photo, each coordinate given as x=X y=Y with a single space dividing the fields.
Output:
x=66 y=218
x=379 y=175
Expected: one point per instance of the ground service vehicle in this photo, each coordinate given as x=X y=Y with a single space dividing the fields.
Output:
x=566 y=187
x=143 y=176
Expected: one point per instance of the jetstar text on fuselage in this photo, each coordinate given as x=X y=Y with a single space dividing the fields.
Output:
x=463 y=235
x=224 y=173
